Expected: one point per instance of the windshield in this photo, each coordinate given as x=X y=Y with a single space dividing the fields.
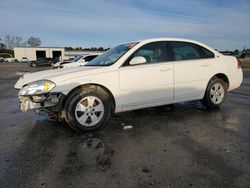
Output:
x=77 y=58
x=111 y=56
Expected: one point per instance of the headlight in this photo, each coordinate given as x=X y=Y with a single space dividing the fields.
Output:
x=37 y=88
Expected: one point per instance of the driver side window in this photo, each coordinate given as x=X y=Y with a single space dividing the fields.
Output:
x=154 y=52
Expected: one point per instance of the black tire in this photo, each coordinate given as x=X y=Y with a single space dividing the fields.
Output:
x=79 y=95
x=207 y=101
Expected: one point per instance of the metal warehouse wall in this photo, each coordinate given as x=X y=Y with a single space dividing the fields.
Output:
x=30 y=53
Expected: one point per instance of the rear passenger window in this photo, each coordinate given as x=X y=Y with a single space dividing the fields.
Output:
x=206 y=53
x=185 y=51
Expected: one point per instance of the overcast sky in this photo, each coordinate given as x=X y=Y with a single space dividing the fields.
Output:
x=222 y=24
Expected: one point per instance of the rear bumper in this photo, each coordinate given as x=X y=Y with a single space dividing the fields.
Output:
x=236 y=80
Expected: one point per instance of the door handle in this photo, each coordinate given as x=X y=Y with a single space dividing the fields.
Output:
x=164 y=69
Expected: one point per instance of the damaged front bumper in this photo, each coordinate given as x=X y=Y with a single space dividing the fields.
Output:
x=39 y=101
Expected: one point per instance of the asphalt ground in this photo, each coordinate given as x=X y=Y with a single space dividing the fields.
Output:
x=172 y=146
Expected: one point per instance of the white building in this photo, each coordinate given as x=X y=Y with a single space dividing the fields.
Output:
x=33 y=53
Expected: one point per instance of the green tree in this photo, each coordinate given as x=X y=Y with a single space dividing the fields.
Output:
x=68 y=48
x=100 y=49
x=34 y=42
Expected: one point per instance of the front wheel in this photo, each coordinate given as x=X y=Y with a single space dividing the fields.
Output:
x=215 y=94
x=88 y=110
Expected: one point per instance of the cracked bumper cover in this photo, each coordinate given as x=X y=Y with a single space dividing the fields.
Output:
x=38 y=101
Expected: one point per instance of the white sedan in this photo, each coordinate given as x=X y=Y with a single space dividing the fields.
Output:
x=131 y=76
x=76 y=62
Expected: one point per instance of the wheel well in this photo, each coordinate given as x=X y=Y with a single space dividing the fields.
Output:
x=95 y=86
x=223 y=77
x=220 y=76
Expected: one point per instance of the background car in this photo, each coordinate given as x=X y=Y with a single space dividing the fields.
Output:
x=84 y=60
x=69 y=59
x=2 y=60
x=78 y=61
x=42 y=62
x=25 y=60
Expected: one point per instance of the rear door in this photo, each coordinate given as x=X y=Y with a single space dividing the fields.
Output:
x=192 y=67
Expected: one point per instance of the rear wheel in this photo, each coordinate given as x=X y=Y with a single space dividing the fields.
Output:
x=215 y=94
x=88 y=110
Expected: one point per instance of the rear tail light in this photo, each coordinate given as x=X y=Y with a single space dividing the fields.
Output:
x=239 y=63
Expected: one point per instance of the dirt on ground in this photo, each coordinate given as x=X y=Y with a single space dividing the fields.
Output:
x=181 y=145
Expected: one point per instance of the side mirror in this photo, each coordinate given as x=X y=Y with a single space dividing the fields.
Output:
x=138 y=60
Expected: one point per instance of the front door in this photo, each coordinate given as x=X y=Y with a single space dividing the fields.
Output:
x=149 y=83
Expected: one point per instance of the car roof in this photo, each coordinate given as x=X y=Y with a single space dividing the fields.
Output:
x=175 y=39
x=167 y=39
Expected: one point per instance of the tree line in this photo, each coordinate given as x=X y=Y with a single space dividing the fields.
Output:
x=101 y=49
x=10 y=41
x=237 y=53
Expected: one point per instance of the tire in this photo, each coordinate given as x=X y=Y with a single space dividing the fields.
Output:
x=215 y=94
x=33 y=65
x=88 y=109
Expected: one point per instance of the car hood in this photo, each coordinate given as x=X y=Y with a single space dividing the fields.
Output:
x=74 y=64
x=58 y=75
x=57 y=64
